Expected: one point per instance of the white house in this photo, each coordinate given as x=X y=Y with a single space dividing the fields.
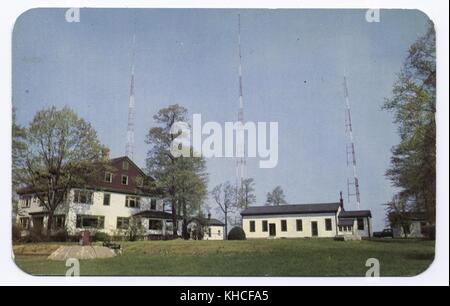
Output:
x=325 y=220
x=212 y=229
x=107 y=206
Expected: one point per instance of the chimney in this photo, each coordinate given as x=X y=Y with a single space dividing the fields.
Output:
x=209 y=216
x=341 y=200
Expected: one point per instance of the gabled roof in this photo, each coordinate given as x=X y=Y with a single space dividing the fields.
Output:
x=121 y=158
x=355 y=214
x=206 y=221
x=116 y=185
x=292 y=209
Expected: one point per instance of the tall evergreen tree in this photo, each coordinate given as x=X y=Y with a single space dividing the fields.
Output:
x=180 y=179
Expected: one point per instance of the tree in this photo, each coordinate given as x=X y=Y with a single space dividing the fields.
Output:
x=18 y=147
x=246 y=194
x=276 y=197
x=191 y=187
x=180 y=179
x=225 y=197
x=413 y=103
x=61 y=151
x=398 y=213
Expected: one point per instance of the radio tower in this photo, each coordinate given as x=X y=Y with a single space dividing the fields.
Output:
x=352 y=184
x=129 y=150
x=240 y=134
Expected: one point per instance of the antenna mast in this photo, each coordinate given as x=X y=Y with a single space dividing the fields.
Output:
x=240 y=134
x=129 y=150
x=352 y=185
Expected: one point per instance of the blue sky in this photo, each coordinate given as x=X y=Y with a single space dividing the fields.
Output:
x=293 y=65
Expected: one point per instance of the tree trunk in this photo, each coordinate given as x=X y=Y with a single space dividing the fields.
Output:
x=174 y=218
x=226 y=225
x=184 y=229
x=49 y=224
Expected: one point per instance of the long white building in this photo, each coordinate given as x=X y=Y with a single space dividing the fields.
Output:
x=325 y=220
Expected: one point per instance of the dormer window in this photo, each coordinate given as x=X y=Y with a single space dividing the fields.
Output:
x=125 y=165
x=108 y=177
x=124 y=179
x=26 y=202
x=153 y=204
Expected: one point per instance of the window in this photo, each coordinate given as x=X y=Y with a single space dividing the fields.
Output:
x=25 y=223
x=132 y=202
x=209 y=232
x=153 y=204
x=82 y=197
x=106 y=199
x=299 y=225
x=125 y=165
x=154 y=224
x=252 y=226
x=124 y=179
x=360 y=224
x=328 y=225
x=283 y=225
x=59 y=222
x=139 y=181
x=108 y=177
x=26 y=202
x=265 y=226
x=123 y=223
x=84 y=221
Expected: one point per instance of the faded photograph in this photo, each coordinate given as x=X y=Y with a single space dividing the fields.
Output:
x=223 y=142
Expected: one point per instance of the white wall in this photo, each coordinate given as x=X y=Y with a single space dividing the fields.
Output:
x=217 y=233
x=116 y=209
x=291 y=225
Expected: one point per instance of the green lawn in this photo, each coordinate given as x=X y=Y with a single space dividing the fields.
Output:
x=281 y=257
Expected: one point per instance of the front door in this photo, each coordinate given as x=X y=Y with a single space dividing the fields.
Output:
x=314 y=229
x=272 y=230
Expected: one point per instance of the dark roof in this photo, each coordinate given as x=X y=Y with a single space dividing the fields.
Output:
x=132 y=172
x=345 y=222
x=206 y=221
x=355 y=214
x=291 y=209
x=154 y=214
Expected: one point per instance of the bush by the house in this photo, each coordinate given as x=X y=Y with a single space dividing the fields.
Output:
x=16 y=233
x=236 y=233
x=101 y=237
x=60 y=236
x=35 y=236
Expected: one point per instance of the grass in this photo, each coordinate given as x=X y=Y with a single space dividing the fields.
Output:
x=280 y=257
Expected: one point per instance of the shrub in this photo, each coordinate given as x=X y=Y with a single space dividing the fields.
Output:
x=236 y=233
x=100 y=236
x=34 y=236
x=16 y=233
x=60 y=236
